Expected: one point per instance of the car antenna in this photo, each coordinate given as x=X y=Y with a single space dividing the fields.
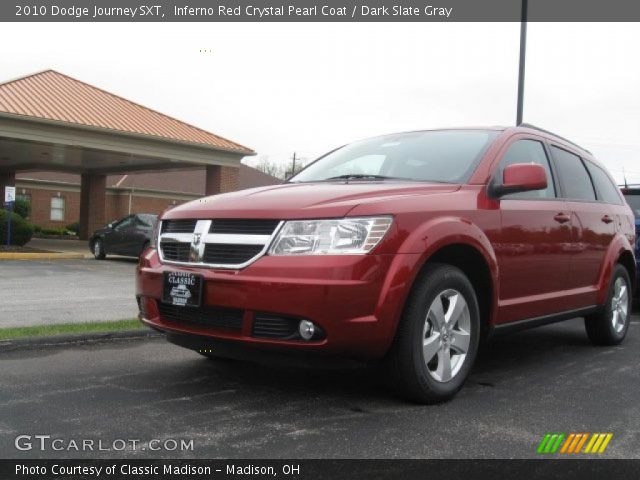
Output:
x=624 y=177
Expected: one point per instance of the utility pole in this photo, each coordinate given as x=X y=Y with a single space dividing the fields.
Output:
x=293 y=167
x=523 y=51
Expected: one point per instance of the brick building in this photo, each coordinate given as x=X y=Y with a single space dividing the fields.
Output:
x=55 y=196
x=106 y=155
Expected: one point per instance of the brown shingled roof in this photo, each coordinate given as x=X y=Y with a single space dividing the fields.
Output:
x=53 y=96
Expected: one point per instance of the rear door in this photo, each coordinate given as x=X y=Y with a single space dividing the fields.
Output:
x=592 y=226
x=535 y=234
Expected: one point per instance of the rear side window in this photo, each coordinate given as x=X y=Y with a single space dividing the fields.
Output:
x=605 y=188
x=573 y=175
x=528 y=151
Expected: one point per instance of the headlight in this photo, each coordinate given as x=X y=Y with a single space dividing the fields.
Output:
x=345 y=236
x=153 y=243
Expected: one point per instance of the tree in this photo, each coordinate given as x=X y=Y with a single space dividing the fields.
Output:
x=270 y=168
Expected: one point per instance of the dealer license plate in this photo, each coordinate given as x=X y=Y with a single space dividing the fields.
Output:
x=182 y=288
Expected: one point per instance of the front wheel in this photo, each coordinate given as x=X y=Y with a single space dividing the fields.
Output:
x=437 y=339
x=609 y=325
x=98 y=250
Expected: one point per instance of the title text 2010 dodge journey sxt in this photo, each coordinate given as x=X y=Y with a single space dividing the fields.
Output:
x=409 y=248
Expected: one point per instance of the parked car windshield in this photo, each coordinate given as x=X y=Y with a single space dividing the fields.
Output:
x=634 y=203
x=443 y=156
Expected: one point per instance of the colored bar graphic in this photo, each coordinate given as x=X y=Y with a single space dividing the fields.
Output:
x=573 y=443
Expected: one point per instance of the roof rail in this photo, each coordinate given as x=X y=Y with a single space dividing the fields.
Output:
x=528 y=125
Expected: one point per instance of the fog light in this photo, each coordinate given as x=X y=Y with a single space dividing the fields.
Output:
x=307 y=329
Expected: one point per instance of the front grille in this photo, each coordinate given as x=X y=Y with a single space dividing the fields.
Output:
x=175 y=251
x=274 y=326
x=229 y=253
x=178 y=226
x=215 y=317
x=244 y=226
x=217 y=243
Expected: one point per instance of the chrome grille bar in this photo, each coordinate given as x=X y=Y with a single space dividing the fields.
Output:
x=198 y=240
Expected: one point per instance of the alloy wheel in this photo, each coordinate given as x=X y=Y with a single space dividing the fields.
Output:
x=446 y=335
x=619 y=305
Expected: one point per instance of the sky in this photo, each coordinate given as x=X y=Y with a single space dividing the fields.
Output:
x=307 y=88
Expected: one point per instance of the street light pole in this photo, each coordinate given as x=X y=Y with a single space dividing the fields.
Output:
x=523 y=51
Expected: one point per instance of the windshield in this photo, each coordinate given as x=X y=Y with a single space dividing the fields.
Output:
x=444 y=156
x=634 y=203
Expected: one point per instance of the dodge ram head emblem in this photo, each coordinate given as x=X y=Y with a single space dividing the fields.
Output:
x=195 y=253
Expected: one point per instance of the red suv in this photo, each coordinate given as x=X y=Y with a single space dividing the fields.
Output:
x=410 y=247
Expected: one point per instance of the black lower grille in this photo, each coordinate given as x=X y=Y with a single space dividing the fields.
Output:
x=230 y=254
x=215 y=317
x=274 y=326
x=175 y=251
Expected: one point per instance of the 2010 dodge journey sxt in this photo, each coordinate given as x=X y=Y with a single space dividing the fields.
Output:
x=410 y=248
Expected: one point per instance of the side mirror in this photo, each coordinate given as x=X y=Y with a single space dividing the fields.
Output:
x=520 y=177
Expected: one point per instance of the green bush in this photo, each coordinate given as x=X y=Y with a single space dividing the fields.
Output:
x=22 y=207
x=53 y=230
x=74 y=227
x=21 y=230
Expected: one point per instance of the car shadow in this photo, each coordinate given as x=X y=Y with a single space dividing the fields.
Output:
x=120 y=259
x=525 y=353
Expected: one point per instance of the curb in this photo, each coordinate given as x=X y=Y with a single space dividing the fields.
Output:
x=40 y=256
x=75 y=339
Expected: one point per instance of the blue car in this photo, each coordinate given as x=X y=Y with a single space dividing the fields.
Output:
x=632 y=196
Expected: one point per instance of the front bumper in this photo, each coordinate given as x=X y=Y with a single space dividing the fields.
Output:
x=356 y=300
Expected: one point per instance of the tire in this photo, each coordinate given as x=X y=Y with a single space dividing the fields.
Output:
x=425 y=343
x=609 y=325
x=98 y=250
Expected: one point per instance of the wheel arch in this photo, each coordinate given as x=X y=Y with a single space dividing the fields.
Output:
x=475 y=266
x=620 y=252
x=450 y=240
x=627 y=260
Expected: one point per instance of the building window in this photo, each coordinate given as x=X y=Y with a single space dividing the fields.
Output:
x=57 y=208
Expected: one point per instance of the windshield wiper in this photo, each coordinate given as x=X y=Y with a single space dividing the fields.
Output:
x=361 y=176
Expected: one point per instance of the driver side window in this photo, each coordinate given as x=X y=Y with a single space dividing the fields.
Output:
x=528 y=151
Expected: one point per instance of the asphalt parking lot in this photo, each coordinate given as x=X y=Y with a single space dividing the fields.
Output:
x=66 y=291
x=525 y=385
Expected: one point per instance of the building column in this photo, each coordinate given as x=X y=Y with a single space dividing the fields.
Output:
x=93 y=194
x=220 y=179
x=7 y=179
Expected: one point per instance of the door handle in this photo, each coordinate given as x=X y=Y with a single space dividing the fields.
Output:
x=562 y=217
x=607 y=219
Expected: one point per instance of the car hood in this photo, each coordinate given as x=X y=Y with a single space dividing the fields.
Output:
x=302 y=200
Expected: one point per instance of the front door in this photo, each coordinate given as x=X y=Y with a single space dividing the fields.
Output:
x=533 y=241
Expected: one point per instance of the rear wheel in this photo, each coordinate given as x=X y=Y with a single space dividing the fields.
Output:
x=609 y=325
x=98 y=250
x=437 y=339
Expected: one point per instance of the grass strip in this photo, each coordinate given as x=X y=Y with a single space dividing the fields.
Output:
x=14 y=333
